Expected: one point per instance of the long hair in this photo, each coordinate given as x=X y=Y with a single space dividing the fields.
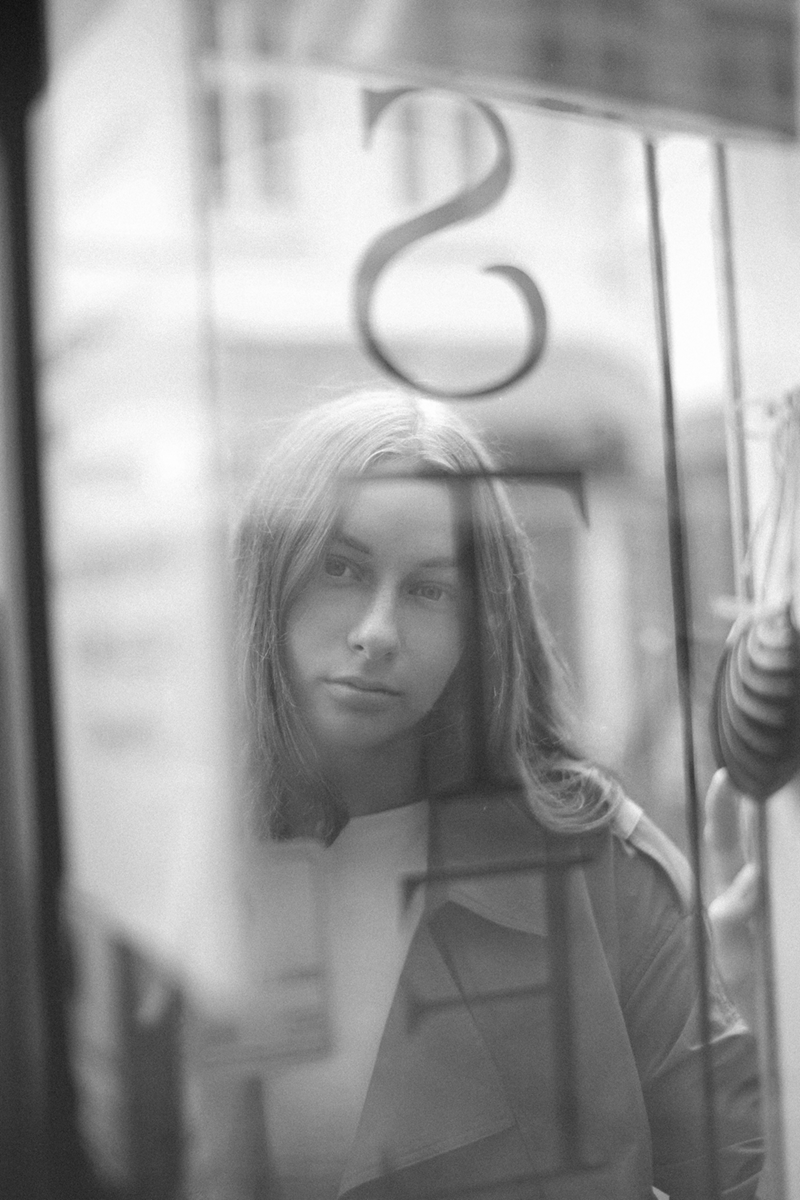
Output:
x=282 y=540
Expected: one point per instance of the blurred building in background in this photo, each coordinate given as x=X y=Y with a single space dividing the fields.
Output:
x=295 y=193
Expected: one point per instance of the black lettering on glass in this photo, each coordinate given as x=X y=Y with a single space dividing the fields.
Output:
x=472 y=201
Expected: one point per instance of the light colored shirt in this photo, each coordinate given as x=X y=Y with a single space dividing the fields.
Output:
x=314 y=1108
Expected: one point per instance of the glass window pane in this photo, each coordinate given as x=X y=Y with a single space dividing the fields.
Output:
x=331 y=916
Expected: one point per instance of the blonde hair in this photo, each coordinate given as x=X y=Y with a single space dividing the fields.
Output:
x=282 y=539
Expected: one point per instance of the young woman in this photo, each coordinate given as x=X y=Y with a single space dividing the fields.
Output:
x=512 y=1031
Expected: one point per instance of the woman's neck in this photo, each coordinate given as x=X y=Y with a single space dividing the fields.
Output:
x=371 y=782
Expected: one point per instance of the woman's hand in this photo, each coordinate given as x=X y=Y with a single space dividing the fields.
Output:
x=733 y=882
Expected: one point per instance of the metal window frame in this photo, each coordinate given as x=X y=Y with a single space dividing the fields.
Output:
x=40 y=1152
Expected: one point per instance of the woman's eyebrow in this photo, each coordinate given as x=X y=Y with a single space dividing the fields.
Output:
x=351 y=542
x=446 y=561
x=439 y=562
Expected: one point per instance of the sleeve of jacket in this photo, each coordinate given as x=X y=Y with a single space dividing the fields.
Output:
x=660 y=995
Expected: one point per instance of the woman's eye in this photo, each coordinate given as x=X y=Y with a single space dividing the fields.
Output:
x=431 y=591
x=338 y=568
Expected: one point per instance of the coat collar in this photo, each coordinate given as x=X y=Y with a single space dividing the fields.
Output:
x=435 y=1088
x=428 y=1094
x=478 y=843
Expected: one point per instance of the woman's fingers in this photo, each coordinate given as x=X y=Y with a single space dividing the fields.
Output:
x=723 y=834
x=735 y=885
x=730 y=916
x=732 y=909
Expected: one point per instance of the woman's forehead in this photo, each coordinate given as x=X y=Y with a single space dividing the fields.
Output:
x=409 y=517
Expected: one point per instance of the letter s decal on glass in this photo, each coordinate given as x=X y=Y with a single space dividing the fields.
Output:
x=472 y=201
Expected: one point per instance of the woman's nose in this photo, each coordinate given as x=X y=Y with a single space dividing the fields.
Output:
x=375 y=632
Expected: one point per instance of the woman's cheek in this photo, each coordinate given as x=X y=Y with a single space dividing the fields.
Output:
x=445 y=649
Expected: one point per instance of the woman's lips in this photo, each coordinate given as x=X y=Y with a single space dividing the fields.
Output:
x=361 y=693
x=364 y=685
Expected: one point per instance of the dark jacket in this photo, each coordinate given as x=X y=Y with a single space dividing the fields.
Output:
x=468 y=1096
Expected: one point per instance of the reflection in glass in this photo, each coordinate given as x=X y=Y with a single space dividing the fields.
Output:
x=179 y=343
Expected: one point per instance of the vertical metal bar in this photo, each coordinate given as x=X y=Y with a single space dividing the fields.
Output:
x=22 y=1067
x=745 y=593
x=29 y=624
x=22 y=69
x=561 y=1009
x=734 y=408
x=681 y=602
x=24 y=1081
x=33 y=624
x=768 y=1045
x=478 y=774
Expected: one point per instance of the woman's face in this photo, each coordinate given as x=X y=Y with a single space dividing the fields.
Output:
x=374 y=637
